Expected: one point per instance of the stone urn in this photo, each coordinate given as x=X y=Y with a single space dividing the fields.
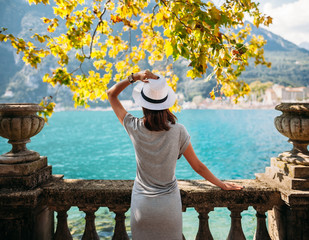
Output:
x=290 y=170
x=18 y=123
x=21 y=168
x=294 y=124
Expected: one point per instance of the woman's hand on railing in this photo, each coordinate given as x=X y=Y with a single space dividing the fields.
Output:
x=231 y=186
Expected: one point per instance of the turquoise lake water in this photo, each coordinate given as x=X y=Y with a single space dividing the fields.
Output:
x=234 y=144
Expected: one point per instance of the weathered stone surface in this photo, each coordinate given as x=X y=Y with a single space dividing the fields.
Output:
x=201 y=192
x=295 y=157
x=78 y=192
x=194 y=193
x=285 y=222
x=274 y=174
x=22 y=169
x=26 y=182
x=289 y=196
x=290 y=169
x=26 y=198
x=26 y=222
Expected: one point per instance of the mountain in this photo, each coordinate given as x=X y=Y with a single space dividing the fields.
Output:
x=274 y=41
x=304 y=45
x=21 y=83
x=289 y=62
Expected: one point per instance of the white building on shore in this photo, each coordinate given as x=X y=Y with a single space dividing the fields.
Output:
x=278 y=93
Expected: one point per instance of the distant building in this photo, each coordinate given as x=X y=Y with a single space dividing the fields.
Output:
x=299 y=94
x=278 y=93
x=271 y=97
x=278 y=89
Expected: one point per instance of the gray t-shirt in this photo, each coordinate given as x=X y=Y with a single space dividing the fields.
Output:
x=156 y=155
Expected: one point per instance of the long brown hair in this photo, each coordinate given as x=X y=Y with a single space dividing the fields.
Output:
x=158 y=120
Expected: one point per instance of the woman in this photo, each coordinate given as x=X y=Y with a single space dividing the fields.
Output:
x=156 y=211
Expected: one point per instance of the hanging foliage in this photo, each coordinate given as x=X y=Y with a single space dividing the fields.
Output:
x=205 y=34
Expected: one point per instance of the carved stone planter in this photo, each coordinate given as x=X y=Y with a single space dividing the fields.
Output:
x=18 y=123
x=294 y=124
x=21 y=168
x=290 y=170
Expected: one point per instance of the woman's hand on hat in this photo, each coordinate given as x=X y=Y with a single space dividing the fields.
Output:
x=144 y=76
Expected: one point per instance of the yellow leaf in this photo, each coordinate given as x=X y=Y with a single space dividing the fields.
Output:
x=212 y=95
x=46 y=77
x=191 y=74
x=168 y=48
x=167 y=32
x=110 y=5
x=2 y=37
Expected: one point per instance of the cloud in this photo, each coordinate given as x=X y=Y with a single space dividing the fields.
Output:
x=290 y=20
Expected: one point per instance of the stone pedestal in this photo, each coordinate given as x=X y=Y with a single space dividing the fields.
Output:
x=285 y=222
x=289 y=173
x=23 y=216
x=25 y=175
x=21 y=168
x=23 y=213
x=290 y=219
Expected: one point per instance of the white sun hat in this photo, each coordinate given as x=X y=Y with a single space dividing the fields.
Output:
x=154 y=95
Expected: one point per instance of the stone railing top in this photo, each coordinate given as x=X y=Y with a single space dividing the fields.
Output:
x=194 y=193
x=111 y=193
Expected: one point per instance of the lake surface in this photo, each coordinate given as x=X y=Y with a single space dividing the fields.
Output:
x=234 y=144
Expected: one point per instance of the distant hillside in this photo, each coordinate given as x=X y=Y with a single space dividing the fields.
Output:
x=304 y=45
x=290 y=67
x=20 y=83
x=290 y=63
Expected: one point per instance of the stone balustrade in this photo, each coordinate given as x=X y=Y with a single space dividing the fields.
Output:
x=88 y=195
x=30 y=195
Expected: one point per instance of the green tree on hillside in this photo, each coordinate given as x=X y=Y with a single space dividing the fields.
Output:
x=201 y=32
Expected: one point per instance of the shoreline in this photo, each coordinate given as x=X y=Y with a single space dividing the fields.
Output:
x=139 y=109
x=217 y=105
x=210 y=107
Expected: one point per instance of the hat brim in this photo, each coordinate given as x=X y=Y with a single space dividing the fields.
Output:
x=139 y=100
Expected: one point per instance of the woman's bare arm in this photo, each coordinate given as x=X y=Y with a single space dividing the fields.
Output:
x=112 y=94
x=202 y=170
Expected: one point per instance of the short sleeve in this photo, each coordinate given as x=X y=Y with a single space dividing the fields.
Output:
x=184 y=140
x=129 y=123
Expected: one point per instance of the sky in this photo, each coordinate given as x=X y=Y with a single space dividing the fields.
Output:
x=290 y=18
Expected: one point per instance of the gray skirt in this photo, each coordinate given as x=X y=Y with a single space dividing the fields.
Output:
x=156 y=217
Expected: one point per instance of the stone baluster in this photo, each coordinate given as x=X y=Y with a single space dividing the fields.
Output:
x=203 y=230
x=90 y=232
x=62 y=230
x=261 y=232
x=236 y=232
x=120 y=232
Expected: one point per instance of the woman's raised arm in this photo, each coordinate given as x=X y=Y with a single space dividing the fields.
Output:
x=113 y=93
